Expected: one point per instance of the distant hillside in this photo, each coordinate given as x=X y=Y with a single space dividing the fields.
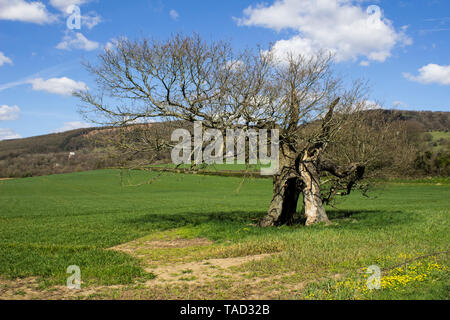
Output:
x=70 y=151
x=56 y=142
x=48 y=154
x=429 y=120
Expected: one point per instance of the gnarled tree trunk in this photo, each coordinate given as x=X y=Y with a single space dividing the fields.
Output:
x=297 y=175
x=286 y=190
x=312 y=201
x=300 y=172
x=284 y=202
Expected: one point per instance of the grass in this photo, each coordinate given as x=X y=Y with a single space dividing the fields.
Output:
x=215 y=167
x=437 y=135
x=425 y=279
x=436 y=138
x=49 y=223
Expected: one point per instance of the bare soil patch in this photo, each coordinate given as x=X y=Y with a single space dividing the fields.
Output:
x=202 y=271
x=27 y=289
x=206 y=270
x=131 y=247
x=216 y=278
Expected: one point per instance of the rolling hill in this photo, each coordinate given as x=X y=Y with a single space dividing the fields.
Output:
x=49 y=154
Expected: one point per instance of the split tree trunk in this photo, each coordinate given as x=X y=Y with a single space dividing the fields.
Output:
x=292 y=180
x=284 y=202
x=299 y=173
x=312 y=201
x=286 y=190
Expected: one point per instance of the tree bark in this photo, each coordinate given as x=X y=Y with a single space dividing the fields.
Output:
x=286 y=190
x=295 y=176
x=312 y=202
x=298 y=173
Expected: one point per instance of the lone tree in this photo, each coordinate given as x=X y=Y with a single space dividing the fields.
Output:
x=186 y=78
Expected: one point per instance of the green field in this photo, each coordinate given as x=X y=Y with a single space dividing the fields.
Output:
x=48 y=223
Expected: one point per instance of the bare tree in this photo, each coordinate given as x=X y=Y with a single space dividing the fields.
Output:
x=186 y=78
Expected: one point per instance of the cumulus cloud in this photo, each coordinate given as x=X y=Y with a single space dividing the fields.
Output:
x=21 y=10
x=342 y=27
x=113 y=42
x=9 y=113
x=370 y=105
x=36 y=11
x=6 y=134
x=90 y=20
x=109 y=46
x=431 y=73
x=72 y=125
x=173 y=14
x=399 y=104
x=364 y=63
x=62 y=86
x=235 y=64
x=77 y=41
x=63 y=5
x=4 y=59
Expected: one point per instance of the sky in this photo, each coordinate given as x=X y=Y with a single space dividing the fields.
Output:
x=400 y=47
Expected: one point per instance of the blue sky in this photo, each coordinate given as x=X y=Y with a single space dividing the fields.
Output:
x=401 y=47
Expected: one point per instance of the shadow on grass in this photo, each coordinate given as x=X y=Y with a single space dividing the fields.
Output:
x=175 y=220
x=237 y=219
x=216 y=226
x=343 y=214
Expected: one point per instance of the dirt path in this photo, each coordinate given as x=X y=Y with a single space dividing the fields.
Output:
x=28 y=289
x=200 y=279
x=202 y=271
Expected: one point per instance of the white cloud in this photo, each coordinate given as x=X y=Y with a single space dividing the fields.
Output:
x=21 y=10
x=6 y=134
x=364 y=63
x=235 y=64
x=370 y=104
x=173 y=14
x=62 y=5
x=73 y=125
x=4 y=59
x=342 y=27
x=431 y=73
x=90 y=20
x=9 y=113
x=77 y=41
x=62 y=86
x=113 y=42
x=109 y=46
x=399 y=104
